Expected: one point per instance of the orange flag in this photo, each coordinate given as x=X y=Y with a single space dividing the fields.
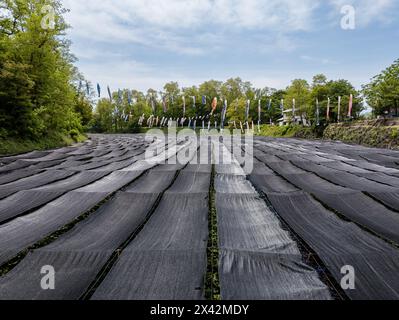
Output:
x=214 y=104
x=350 y=106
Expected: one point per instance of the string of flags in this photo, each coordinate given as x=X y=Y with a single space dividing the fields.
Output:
x=192 y=122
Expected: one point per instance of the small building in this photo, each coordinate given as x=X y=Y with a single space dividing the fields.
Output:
x=288 y=118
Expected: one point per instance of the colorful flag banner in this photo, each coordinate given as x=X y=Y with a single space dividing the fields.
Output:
x=194 y=101
x=224 y=113
x=165 y=109
x=350 y=106
x=109 y=93
x=120 y=96
x=204 y=100
x=247 y=110
x=214 y=105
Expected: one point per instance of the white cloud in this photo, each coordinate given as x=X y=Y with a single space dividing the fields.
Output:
x=179 y=25
x=107 y=35
x=184 y=26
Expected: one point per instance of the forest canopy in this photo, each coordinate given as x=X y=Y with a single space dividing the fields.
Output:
x=38 y=80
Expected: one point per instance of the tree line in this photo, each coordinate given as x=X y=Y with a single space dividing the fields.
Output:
x=123 y=110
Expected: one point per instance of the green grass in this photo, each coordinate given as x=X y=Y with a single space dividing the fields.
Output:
x=282 y=131
x=14 y=146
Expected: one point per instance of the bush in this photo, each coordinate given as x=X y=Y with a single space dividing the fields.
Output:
x=366 y=133
x=289 y=131
x=74 y=134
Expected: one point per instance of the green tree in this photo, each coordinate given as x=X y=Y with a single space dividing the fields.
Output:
x=300 y=91
x=382 y=93
x=36 y=61
x=236 y=111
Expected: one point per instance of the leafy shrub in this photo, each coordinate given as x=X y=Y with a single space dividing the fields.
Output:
x=74 y=134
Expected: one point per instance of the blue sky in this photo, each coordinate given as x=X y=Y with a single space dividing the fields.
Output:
x=142 y=44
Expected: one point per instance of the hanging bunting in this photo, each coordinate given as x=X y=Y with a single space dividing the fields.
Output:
x=214 y=105
x=129 y=97
x=194 y=101
x=120 y=98
x=247 y=110
x=165 y=109
x=109 y=93
x=224 y=111
x=350 y=106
